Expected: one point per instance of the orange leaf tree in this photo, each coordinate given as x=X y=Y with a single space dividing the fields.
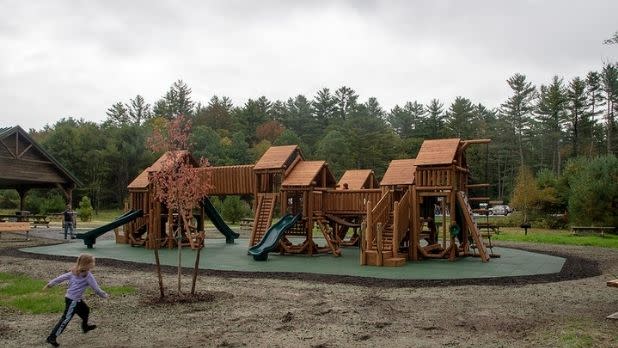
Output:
x=180 y=183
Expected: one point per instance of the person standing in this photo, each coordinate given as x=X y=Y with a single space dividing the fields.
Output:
x=68 y=222
x=79 y=279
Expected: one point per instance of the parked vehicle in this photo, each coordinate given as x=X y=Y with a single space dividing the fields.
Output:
x=500 y=210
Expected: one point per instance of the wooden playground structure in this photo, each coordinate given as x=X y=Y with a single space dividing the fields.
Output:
x=392 y=222
x=402 y=225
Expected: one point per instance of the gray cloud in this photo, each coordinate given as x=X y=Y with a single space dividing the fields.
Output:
x=76 y=58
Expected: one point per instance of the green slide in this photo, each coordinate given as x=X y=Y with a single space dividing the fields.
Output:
x=271 y=239
x=90 y=237
x=217 y=220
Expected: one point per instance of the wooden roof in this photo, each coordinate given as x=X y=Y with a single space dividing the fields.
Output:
x=278 y=157
x=141 y=181
x=399 y=172
x=26 y=164
x=437 y=152
x=305 y=173
x=358 y=179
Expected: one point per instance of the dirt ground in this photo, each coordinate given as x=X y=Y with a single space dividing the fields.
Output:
x=299 y=311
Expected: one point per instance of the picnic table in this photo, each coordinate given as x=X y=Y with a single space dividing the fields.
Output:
x=35 y=220
x=578 y=230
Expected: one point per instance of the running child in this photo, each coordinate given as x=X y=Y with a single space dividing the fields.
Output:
x=79 y=279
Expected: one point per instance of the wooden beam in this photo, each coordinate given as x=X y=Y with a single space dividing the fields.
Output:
x=8 y=149
x=25 y=150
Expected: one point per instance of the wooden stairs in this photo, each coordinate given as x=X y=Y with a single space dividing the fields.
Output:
x=382 y=254
x=263 y=216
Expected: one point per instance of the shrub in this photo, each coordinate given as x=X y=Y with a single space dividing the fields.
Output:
x=85 y=209
x=234 y=209
x=594 y=192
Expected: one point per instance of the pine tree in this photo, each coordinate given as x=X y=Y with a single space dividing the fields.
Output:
x=551 y=109
x=579 y=116
x=460 y=120
x=324 y=107
x=345 y=102
x=139 y=111
x=177 y=101
x=434 y=124
x=118 y=114
x=517 y=110
x=609 y=83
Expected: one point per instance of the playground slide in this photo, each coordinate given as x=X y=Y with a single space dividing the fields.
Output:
x=271 y=239
x=90 y=237
x=217 y=220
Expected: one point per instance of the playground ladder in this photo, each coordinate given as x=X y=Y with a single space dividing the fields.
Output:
x=263 y=216
x=472 y=226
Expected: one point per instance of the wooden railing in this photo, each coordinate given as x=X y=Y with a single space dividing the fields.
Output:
x=434 y=177
x=349 y=201
x=401 y=220
x=378 y=216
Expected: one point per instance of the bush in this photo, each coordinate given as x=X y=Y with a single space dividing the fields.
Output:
x=234 y=209
x=9 y=199
x=593 y=199
x=85 y=209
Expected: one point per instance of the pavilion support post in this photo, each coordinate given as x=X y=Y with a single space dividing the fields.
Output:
x=22 y=191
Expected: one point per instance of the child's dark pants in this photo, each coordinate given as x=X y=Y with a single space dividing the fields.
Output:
x=71 y=308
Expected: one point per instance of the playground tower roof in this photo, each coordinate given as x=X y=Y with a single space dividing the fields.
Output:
x=278 y=157
x=310 y=173
x=358 y=179
x=399 y=172
x=437 y=152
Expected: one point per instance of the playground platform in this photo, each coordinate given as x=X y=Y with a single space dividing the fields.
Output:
x=217 y=255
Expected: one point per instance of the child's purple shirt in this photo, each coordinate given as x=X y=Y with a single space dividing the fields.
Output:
x=77 y=285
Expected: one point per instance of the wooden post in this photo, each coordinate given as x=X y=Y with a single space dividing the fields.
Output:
x=363 y=244
x=414 y=228
x=369 y=229
x=395 y=241
x=380 y=258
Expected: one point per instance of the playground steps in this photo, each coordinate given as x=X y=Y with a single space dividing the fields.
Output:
x=387 y=236
x=263 y=216
x=474 y=230
x=387 y=258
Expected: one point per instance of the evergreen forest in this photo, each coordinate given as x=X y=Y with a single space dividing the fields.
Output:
x=547 y=129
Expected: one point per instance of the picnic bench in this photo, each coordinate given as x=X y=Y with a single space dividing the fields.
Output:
x=246 y=225
x=488 y=227
x=16 y=227
x=579 y=230
x=39 y=220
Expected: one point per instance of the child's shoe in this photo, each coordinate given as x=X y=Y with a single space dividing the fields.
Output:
x=87 y=328
x=52 y=340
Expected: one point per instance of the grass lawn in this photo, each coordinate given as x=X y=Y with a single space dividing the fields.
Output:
x=25 y=294
x=565 y=237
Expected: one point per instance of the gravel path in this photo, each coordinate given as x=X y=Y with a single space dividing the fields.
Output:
x=295 y=310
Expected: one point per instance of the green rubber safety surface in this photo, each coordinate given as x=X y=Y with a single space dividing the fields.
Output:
x=217 y=255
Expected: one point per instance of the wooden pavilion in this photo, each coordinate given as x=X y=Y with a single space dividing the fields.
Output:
x=26 y=165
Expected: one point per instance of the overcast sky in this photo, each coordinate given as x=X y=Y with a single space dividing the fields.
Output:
x=77 y=58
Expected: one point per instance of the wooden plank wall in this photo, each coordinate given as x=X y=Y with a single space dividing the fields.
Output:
x=434 y=177
x=231 y=180
x=349 y=201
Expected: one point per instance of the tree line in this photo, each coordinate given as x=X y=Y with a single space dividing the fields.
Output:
x=540 y=127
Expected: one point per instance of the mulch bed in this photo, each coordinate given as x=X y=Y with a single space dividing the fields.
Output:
x=575 y=267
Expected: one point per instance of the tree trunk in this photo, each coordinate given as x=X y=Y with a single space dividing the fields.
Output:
x=195 y=269
x=179 y=241
x=158 y=263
